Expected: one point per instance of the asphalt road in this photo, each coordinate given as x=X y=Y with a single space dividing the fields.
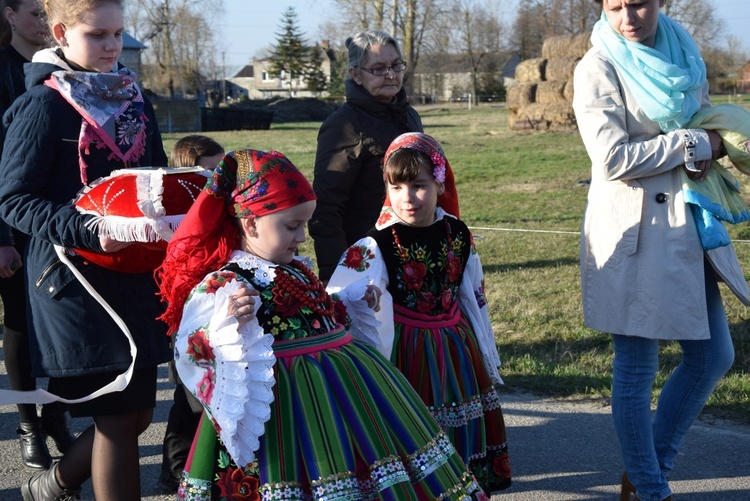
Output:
x=559 y=450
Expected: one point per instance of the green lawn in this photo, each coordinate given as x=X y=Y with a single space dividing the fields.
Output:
x=510 y=183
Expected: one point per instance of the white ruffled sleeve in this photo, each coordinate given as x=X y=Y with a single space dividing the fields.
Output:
x=230 y=371
x=361 y=265
x=474 y=305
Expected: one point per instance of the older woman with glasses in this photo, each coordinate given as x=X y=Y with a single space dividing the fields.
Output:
x=352 y=142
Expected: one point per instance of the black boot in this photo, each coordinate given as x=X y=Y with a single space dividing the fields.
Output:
x=43 y=486
x=34 y=452
x=55 y=424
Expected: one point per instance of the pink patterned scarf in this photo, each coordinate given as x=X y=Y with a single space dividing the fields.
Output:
x=111 y=105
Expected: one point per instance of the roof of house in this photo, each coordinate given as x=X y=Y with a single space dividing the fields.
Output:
x=245 y=72
x=128 y=42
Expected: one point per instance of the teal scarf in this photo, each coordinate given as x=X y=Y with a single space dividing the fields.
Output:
x=663 y=79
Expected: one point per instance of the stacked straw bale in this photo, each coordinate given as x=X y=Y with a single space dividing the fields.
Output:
x=542 y=97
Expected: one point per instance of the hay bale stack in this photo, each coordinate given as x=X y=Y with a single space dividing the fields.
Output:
x=554 y=47
x=559 y=114
x=561 y=68
x=520 y=95
x=568 y=90
x=530 y=117
x=550 y=104
x=550 y=92
x=531 y=70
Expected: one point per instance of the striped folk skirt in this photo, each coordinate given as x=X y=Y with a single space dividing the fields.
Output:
x=440 y=357
x=345 y=425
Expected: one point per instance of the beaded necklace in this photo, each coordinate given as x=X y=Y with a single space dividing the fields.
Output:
x=311 y=293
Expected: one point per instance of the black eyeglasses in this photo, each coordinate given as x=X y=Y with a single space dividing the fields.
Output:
x=380 y=71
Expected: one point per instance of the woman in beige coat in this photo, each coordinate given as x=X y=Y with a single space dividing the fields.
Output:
x=644 y=273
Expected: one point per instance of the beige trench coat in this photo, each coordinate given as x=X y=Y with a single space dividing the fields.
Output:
x=642 y=264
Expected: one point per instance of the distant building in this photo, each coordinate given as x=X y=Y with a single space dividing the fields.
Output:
x=743 y=79
x=257 y=82
x=131 y=53
x=447 y=77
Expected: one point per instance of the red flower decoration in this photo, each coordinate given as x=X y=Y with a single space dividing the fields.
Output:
x=426 y=303
x=286 y=304
x=356 y=258
x=384 y=218
x=217 y=281
x=235 y=485
x=199 y=347
x=453 y=267
x=446 y=299
x=414 y=273
x=339 y=311
x=501 y=466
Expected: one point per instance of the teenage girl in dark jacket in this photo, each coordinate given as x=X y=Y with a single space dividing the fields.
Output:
x=23 y=31
x=51 y=150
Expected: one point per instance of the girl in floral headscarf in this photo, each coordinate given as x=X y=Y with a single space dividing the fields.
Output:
x=295 y=407
x=425 y=260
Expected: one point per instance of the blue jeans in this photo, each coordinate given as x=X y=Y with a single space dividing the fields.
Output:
x=650 y=446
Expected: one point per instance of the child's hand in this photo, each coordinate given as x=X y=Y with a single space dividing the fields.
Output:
x=111 y=245
x=372 y=296
x=242 y=305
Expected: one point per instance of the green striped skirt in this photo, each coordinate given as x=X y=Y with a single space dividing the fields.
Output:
x=345 y=425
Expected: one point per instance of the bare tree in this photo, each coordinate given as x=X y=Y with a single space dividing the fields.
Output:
x=476 y=34
x=359 y=15
x=538 y=20
x=408 y=21
x=698 y=17
x=181 y=48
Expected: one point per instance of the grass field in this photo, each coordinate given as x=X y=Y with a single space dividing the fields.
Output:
x=519 y=193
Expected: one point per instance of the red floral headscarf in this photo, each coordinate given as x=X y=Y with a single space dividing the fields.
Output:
x=245 y=184
x=442 y=171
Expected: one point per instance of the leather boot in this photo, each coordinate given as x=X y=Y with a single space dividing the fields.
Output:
x=34 y=452
x=55 y=424
x=44 y=486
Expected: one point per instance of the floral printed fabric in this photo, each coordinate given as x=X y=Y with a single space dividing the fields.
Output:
x=366 y=259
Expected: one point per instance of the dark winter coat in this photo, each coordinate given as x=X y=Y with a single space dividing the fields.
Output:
x=349 y=169
x=70 y=332
x=12 y=85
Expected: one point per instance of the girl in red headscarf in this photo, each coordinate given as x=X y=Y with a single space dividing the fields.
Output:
x=424 y=258
x=295 y=407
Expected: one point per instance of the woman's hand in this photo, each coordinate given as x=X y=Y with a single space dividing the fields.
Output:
x=10 y=261
x=717 y=145
x=372 y=297
x=701 y=171
x=242 y=305
x=704 y=166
